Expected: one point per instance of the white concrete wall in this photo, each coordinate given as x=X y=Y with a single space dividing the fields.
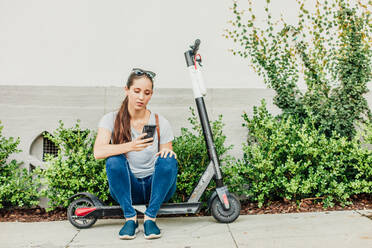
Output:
x=96 y=42
x=27 y=111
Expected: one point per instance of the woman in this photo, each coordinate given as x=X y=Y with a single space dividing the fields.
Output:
x=138 y=171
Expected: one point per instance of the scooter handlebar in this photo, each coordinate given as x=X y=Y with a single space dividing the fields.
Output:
x=195 y=47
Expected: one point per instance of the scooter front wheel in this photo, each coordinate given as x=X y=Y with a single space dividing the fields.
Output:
x=226 y=215
x=77 y=221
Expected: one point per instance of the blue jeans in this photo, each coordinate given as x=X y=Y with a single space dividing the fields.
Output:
x=127 y=189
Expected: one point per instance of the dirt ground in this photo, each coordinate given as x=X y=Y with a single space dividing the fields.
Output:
x=362 y=202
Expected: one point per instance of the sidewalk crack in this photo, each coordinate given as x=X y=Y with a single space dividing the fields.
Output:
x=236 y=244
x=369 y=216
x=68 y=244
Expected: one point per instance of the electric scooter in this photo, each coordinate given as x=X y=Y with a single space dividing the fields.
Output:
x=225 y=207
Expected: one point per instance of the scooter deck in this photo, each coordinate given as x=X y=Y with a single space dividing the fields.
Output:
x=165 y=209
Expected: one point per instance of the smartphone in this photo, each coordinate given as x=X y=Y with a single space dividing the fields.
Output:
x=150 y=130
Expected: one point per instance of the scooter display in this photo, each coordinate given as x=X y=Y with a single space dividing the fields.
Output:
x=225 y=207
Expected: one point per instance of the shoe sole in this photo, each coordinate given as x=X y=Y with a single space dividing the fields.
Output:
x=152 y=236
x=128 y=237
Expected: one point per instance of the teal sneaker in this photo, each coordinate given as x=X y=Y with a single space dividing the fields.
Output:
x=151 y=230
x=129 y=230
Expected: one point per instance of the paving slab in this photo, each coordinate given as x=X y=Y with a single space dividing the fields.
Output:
x=323 y=229
x=53 y=234
x=176 y=232
x=366 y=212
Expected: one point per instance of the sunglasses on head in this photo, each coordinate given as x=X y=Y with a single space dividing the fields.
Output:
x=140 y=72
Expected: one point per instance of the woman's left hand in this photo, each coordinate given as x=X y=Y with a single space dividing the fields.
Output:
x=164 y=153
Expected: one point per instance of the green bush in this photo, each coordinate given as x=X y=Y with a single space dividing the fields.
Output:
x=288 y=159
x=311 y=150
x=74 y=169
x=329 y=48
x=365 y=133
x=18 y=187
x=193 y=157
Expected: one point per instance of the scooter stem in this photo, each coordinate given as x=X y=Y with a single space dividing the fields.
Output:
x=200 y=91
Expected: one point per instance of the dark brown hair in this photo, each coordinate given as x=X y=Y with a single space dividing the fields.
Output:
x=122 y=133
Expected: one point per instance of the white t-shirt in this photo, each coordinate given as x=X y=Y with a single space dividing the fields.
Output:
x=142 y=163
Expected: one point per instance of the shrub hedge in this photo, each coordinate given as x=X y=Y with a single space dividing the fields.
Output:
x=74 y=169
x=287 y=159
x=283 y=158
x=18 y=187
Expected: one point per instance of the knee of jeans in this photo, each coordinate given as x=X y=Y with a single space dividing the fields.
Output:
x=115 y=162
x=169 y=163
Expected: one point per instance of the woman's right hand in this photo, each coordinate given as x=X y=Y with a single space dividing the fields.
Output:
x=139 y=144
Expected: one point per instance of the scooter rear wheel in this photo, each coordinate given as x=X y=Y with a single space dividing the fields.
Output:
x=226 y=215
x=80 y=222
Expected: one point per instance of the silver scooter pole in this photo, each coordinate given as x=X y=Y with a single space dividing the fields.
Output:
x=199 y=90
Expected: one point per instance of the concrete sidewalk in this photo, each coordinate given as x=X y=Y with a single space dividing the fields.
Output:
x=324 y=229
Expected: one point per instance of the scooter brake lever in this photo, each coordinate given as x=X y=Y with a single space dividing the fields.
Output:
x=199 y=61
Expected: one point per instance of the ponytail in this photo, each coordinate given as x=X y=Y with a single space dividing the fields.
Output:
x=122 y=132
